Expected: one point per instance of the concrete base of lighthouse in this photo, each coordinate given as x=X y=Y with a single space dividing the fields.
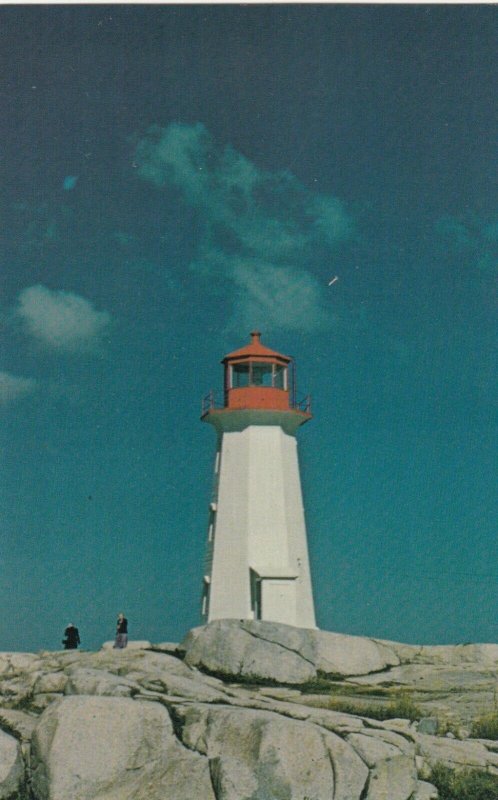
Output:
x=257 y=564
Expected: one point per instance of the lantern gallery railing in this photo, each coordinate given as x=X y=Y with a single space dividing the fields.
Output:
x=304 y=404
x=211 y=401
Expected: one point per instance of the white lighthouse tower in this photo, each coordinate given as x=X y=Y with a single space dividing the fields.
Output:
x=257 y=563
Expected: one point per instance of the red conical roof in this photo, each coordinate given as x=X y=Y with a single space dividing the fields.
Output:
x=255 y=349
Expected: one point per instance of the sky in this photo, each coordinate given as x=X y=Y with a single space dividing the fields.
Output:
x=172 y=177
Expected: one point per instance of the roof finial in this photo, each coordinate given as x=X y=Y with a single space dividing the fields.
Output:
x=255 y=336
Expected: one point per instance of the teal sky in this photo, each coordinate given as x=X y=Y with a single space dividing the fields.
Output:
x=172 y=177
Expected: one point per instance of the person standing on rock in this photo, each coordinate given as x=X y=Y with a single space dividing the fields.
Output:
x=71 y=637
x=121 y=631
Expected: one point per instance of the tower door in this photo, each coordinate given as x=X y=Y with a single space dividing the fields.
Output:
x=278 y=600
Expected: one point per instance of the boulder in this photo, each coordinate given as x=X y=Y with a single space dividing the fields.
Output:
x=11 y=766
x=372 y=749
x=190 y=687
x=12 y=664
x=42 y=700
x=339 y=654
x=392 y=779
x=50 y=682
x=393 y=774
x=436 y=678
x=459 y=654
x=110 y=748
x=262 y=754
x=138 y=665
x=403 y=744
x=282 y=653
x=428 y=725
x=245 y=651
x=18 y=722
x=98 y=682
x=452 y=752
x=18 y=691
x=350 y=771
x=425 y=791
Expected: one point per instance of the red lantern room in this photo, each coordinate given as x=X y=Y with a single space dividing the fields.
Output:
x=257 y=377
x=259 y=380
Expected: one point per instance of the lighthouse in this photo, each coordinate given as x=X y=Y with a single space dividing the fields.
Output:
x=256 y=564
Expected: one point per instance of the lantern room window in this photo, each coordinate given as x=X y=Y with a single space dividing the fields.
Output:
x=262 y=374
x=258 y=374
x=279 y=376
x=240 y=375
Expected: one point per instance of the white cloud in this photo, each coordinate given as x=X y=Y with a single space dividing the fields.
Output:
x=13 y=387
x=473 y=237
x=260 y=230
x=61 y=320
x=279 y=297
x=329 y=218
x=177 y=154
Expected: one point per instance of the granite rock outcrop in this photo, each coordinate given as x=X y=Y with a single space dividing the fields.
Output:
x=241 y=711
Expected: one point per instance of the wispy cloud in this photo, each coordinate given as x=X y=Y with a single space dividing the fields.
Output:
x=61 y=320
x=13 y=387
x=261 y=231
x=474 y=238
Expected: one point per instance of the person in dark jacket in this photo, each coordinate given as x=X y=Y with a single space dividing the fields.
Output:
x=121 y=632
x=71 y=637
